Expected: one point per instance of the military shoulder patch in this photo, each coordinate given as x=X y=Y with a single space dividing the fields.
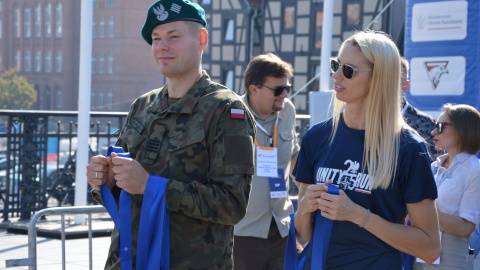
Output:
x=237 y=113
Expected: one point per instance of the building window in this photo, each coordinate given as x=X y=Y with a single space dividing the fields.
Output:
x=111 y=27
x=109 y=99
x=315 y=86
x=37 y=21
x=318 y=29
x=94 y=62
x=37 y=62
x=229 y=30
x=101 y=28
x=111 y=3
x=94 y=27
x=16 y=21
x=27 y=22
x=27 y=60
x=206 y=2
x=101 y=64
x=100 y=99
x=228 y=78
x=48 y=61
x=48 y=20
x=58 y=62
x=58 y=20
x=289 y=18
x=110 y=63
x=16 y=60
x=58 y=98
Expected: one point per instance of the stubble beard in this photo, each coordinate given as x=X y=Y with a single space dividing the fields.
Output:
x=276 y=108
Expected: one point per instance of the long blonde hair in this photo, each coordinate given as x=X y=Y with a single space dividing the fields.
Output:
x=383 y=119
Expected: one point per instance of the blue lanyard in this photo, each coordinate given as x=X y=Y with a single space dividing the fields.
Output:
x=319 y=242
x=153 y=245
x=122 y=218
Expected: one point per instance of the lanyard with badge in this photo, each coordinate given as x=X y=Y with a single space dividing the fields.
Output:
x=267 y=163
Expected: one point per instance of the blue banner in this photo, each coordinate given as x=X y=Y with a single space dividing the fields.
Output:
x=442 y=45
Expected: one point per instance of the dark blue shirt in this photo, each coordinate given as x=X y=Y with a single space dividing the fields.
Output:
x=352 y=247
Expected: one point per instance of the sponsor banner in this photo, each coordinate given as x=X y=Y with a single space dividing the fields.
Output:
x=435 y=76
x=442 y=45
x=439 y=21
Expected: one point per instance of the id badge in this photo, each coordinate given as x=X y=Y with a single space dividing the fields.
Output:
x=266 y=162
x=278 y=188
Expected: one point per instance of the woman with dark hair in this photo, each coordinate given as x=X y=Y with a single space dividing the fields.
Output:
x=379 y=164
x=457 y=175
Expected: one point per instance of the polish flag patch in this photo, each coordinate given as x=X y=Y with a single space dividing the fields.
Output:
x=237 y=113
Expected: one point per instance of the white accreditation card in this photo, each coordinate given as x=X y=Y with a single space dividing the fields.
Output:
x=267 y=161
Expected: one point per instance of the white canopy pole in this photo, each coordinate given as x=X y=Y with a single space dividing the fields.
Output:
x=326 y=45
x=84 y=89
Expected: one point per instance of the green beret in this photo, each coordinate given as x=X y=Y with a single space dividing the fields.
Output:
x=165 y=11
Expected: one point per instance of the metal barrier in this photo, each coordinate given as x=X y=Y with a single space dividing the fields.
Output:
x=31 y=261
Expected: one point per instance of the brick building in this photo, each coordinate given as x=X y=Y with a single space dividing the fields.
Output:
x=41 y=39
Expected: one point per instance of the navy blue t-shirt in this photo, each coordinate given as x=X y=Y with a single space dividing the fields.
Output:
x=352 y=247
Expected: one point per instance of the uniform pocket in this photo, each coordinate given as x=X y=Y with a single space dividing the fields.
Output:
x=131 y=136
x=179 y=140
x=286 y=135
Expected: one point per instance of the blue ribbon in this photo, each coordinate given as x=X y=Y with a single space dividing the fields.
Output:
x=318 y=244
x=123 y=219
x=153 y=245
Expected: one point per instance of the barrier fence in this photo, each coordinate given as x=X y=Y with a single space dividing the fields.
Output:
x=31 y=261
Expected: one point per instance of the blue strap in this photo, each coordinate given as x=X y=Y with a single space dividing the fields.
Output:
x=153 y=245
x=290 y=261
x=321 y=235
x=123 y=219
x=153 y=248
x=319 y=242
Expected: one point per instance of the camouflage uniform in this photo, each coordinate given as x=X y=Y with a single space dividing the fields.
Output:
x=208 y=158
x=423 y=124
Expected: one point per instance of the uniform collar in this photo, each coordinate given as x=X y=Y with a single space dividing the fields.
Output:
x=186 y=104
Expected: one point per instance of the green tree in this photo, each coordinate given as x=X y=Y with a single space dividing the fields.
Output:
x=15 y=91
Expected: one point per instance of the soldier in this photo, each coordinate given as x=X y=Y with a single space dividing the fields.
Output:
x=260 y=238
x=195 y=133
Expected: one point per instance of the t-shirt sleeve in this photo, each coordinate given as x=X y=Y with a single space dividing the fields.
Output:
x=303 y=170
x=416 y=178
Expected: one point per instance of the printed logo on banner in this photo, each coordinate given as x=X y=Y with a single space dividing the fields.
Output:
x=435 y=21
x=435 y=71
x=437 y=76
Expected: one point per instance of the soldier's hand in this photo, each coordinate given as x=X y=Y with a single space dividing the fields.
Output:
x=129 y=174
x=99 y=171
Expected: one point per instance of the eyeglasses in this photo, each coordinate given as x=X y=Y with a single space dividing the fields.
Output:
x=348 y=70
x=440 y=126
x=277 y=91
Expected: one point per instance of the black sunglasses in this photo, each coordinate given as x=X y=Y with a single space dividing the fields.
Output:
x=277 y=91
x=348 y=70
x=440 y=126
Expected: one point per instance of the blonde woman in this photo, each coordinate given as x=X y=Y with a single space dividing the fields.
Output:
x=457 y=175
x=379 y=164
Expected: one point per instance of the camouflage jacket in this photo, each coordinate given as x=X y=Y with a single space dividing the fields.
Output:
x=207 y=153
x=423 y=124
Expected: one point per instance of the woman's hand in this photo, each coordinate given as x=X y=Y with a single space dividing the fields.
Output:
x=340 y=207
